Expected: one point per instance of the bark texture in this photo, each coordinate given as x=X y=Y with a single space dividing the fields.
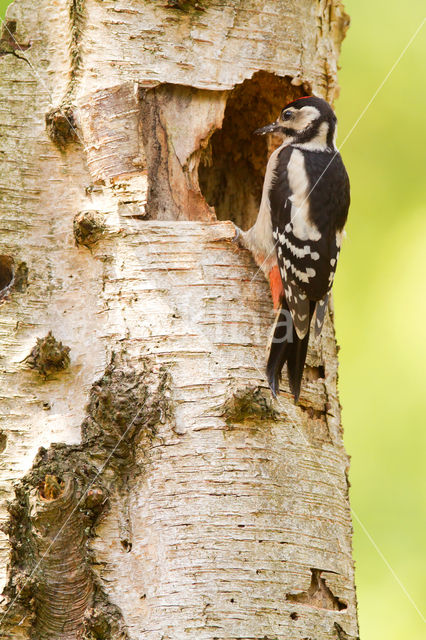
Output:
x=149 y=487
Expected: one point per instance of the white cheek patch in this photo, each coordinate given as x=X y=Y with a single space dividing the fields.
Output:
x=303 y=228
x=305 y=116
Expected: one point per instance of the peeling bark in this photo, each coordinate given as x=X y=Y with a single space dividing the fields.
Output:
x=154 y=488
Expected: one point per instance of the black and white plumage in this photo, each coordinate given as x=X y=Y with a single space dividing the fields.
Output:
x=299 y=228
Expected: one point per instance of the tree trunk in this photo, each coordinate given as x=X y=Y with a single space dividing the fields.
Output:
x=150 y=488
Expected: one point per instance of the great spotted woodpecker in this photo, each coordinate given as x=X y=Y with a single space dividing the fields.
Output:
x=298 y=232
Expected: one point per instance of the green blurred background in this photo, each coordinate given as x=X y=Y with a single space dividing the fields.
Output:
x=381 y=312
x=380 y=307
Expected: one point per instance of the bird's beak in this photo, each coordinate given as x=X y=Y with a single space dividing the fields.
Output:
x=270 y=128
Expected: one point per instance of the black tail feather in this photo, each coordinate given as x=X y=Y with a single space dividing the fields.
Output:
x=287 y=347
x=296 y=363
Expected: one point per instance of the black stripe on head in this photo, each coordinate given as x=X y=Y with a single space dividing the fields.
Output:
x=287 y=131
x=310 y=132
x=330 y=135
x=305 y=135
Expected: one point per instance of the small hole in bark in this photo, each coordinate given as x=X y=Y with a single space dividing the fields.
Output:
x=314 y=373
x=3 y=441
x=61 y=126
x=294 y=615
x=233 y=165
x=232 y=600
x=127 y=545
x=51 y=488
x=6 y=274
x=313 y=414
x=88 y=227
x=9 y=41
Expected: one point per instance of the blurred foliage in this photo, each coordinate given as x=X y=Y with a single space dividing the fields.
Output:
x=380 y=307
x=381 y=310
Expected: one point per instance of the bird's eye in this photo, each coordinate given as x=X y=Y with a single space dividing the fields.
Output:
x=286 y=115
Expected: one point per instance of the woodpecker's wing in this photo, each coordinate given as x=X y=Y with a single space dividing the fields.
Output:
x=329 y=199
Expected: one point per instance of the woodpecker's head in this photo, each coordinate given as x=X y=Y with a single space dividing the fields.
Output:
x=304 y=120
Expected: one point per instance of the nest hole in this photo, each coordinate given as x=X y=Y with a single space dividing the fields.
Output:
x=232 y=167
x=51 y=488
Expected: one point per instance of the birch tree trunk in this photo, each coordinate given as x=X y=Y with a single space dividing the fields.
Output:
x=149 y=486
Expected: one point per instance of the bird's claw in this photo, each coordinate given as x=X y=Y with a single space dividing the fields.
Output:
x=238 y=239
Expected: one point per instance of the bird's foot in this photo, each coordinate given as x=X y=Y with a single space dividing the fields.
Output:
x=238 y=236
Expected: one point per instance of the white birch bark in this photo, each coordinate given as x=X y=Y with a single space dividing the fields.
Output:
x=182 y=504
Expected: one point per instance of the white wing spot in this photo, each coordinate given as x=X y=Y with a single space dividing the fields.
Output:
x=333 y=262
x=299 y=253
